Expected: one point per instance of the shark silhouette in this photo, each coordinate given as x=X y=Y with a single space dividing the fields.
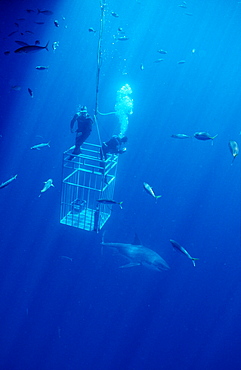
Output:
x=138 y=255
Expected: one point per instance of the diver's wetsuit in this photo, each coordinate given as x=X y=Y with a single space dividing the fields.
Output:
x=83 y=131
x=112 y=146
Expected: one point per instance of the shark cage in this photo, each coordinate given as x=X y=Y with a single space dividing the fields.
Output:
x=86 y=179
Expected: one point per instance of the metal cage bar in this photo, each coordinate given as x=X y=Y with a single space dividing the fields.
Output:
x=85 y=179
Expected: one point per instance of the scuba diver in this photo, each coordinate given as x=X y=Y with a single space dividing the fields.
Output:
x=113 y=146
x=84 y=128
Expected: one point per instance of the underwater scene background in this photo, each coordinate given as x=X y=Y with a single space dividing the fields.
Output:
x=65 y=301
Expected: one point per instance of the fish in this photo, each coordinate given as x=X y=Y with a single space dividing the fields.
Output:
x=30 y=32
x=66 y=258
x=31 y=48
x=37 y=42
x=158 y=60
x=161 y=51
x=180 y=136
x=42 y=68
x=115 y=14
x=142 y=67
x=123 y=38
x=16 y=24
x=204 y=136
x=234 y=149
x=16 y=87
x=6 y=183
x=56 y=23
x=21 y=43
x=109 y=201
x=150 y=191
x=47 y=185
x=20 y=19
x=184 y=251
x=12 y=33
x=39 y=146
x=30 y=92
x=45 y=12
x=91 y=30
x=181 y=62
x=7 y=52
x=138 y=255
x=39 y=22
x=30 y=11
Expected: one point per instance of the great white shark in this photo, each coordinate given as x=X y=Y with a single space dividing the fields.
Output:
x=138 y=255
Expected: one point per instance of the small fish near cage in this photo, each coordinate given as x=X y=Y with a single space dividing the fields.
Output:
x=85 y=179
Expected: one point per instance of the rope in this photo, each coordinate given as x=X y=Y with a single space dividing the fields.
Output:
x=99 y=63
x=99 y=55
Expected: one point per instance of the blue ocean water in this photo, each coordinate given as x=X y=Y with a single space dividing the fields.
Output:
x=84 y=312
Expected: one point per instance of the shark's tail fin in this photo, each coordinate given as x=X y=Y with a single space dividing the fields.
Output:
x=193 y=261
x=120 y=204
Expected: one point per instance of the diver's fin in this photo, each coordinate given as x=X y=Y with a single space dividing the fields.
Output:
x=131 y=264
x=136 y=240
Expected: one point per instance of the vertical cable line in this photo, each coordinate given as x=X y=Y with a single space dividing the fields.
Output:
x=99 y=63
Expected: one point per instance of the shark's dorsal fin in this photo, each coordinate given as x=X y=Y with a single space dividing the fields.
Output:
x=136 y=240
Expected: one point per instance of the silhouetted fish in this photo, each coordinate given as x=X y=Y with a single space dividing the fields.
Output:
x=183 y=250
x=180 y=136
x=21 y=43
x=45 y=12
x=31 y=48
x=4 y=184
x=12 y=33
x=30 y=92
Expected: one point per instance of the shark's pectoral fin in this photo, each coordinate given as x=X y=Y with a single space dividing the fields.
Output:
x=131 y=264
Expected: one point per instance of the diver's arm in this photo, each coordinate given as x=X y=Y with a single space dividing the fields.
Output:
x=72 y=122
